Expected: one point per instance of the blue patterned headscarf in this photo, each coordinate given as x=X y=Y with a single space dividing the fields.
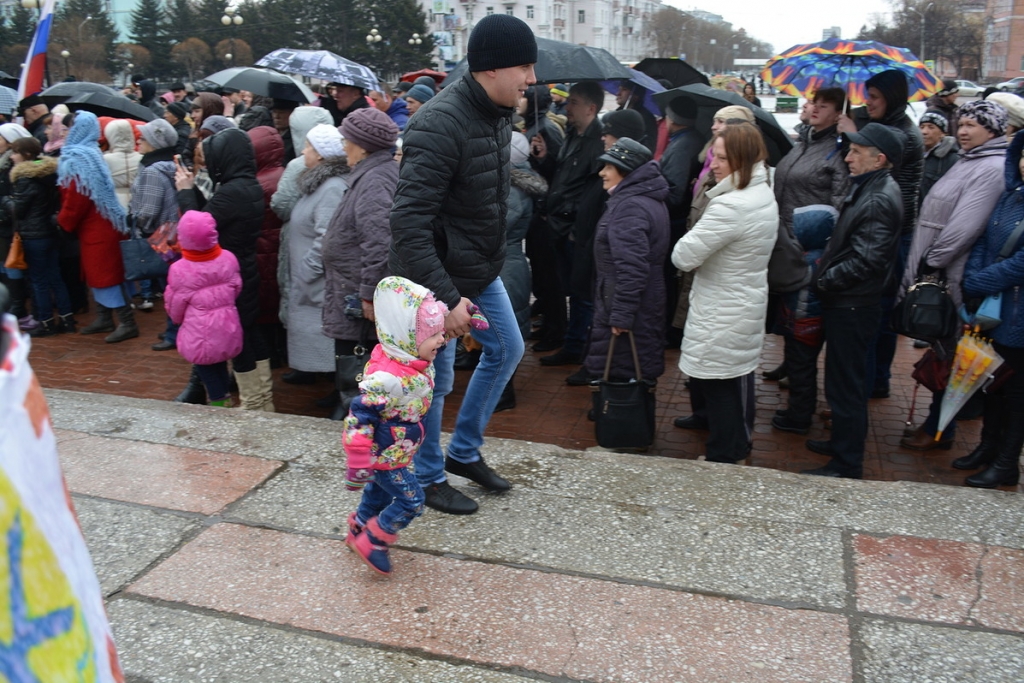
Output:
x=81 y=162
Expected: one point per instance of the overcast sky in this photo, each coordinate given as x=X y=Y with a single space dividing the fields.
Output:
x=790 y=22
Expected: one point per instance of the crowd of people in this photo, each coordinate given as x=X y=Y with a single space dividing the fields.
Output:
x=521 y=205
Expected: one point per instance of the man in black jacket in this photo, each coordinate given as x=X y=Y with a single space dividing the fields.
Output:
x=33 y=110
x=448 y=234
x=854 y=273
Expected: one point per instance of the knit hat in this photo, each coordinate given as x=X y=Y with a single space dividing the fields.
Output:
x=426 y=82
x=1014 y=106
x=949 y=87
x=627 y=155
x=560 y=89
x=420 y=93
x=936 y=118
x=159 y=134
x=197 y=230
x=735 y=111
x=500 y=41
x=682 y=111
x=178 y=109
x=402 y=88
x=216 y=124
x=429 y=319
x=520 y=148
x=625 y=123
x=992 y=115
x=370 y=128
x=29 y=102
x=12 y=131
x=326 y=140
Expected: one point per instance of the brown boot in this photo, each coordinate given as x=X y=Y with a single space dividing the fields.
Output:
x=923 y=441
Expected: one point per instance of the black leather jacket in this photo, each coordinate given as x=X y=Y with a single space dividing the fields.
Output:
x=856 y=267
x=448 y=219
x=908 y=170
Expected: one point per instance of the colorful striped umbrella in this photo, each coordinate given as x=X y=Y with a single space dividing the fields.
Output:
x=803 y=69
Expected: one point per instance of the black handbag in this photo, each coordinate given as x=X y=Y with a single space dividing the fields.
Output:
x=348 y=370
x=624 y=411
x=141 y=260
x=927 y=311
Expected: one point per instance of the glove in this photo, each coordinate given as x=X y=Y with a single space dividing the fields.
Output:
x=477 y=321
x=357 y=477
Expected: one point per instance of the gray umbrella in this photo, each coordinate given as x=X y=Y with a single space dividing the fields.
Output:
x=8 y=100
x=61 y=92
x=561 y=62
x=321 y=64
x=264 y=82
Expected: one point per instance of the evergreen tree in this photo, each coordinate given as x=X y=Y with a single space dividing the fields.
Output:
x=148 y=28
x=86 y=25
x=181 y=20
x=16 y=39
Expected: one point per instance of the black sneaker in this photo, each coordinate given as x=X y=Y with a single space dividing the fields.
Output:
x=788 y=424
x=478 y=472
x=445 y=498
x=820 y=447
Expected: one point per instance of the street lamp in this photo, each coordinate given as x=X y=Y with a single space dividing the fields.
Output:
x=373 y=36
x=128 y=69
x=65 y=54
x=231 y=17
x=87 y=19
x=922 y=15
x=415 y=40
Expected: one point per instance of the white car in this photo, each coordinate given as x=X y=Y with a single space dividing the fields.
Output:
x=968 y=88
x=1012 y=84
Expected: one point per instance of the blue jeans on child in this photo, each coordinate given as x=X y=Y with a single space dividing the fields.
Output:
x=503 y=349
x=394 y=497
x=48 y=287
x=216 y=379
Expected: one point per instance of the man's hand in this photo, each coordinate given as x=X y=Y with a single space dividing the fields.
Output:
x=183 y=178
x=456 y=323
x=538 y=147
x=619 y=330
x=368 y=311
x=846 y=124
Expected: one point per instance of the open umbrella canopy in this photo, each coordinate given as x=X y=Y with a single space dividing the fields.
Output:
x=804 y=69
x=321 y=64
x=413 y=75
x=675 y=71
x=639 y=80
x=61 y=92
x=110 y=104
x=709 y=100
x=9 y=81
x=8 y=100
x=561 y=62
x=263 y=82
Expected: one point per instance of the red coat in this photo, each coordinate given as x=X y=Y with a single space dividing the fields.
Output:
x=269 y=148
x=101 y=254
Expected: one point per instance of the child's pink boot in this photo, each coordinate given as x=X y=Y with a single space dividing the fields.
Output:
x=353 y=530
x=372 y=546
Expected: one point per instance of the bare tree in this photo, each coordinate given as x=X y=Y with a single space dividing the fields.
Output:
x=667 y=26
x=192 y=54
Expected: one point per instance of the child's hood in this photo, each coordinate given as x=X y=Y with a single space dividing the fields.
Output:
x=396 y=303
x=197 y=231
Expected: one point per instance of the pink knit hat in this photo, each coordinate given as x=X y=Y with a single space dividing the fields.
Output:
x=197 y=231
x=429 y=319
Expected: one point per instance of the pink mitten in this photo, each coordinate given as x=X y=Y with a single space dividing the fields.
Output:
x=478 y=321
x=357 y=478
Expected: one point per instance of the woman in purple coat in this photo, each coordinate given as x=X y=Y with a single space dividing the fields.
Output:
x=630 y=246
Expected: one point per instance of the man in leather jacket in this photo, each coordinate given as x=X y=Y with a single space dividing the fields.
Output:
x=448 y=235
x=854 y=273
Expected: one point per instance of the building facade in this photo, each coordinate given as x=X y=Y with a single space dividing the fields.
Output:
x=1004 y=40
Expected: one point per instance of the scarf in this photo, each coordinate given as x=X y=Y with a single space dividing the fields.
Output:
x=82 y=164
x=56 y=136
x=205 y=255
x=163 y=154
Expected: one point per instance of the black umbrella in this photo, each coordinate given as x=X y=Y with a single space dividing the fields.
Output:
x=263 y=82
x=709 y=100
x=110 y=104
x=675 y=71
x=8 y=80
x=63 y=92
x=561 y=62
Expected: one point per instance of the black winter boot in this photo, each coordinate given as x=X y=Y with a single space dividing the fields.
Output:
x=104 y=321
x=47 y=328
x=127 y=329
x=67 y=323
x=1005 y=470
x=17 y=289
x=991 y=428
x=194 y=392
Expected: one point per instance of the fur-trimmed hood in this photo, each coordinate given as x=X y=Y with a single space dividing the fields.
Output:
x=40 y=168
x=529 y=182
x=312 y=178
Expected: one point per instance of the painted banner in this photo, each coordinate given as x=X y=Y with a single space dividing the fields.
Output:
x=53 y=626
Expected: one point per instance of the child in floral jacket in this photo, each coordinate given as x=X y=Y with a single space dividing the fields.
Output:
x=383 y=430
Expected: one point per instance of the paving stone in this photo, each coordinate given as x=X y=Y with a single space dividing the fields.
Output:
x=123 y=540
x=161 y=645
x=896 y=652
x=160 y=475
x=554 y=624
x=766 y=561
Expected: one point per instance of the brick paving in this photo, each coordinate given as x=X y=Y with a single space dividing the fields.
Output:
x=548 y=410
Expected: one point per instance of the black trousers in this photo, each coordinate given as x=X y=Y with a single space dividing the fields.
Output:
x=728 y=405
x=802 y=369
x=849 y=333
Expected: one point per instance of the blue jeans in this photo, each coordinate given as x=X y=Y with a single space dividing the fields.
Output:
x=216 y=379
x=48 y=287
x=394 y=497
x=503 y=349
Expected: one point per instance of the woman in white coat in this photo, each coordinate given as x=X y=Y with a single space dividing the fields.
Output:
x=122 y=158
x=728 y=249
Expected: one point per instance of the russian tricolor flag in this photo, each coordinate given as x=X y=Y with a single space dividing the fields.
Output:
x=35 y=63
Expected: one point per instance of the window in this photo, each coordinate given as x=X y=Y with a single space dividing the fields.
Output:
x=509 y=10
x=490 y=11
x=529 y=11
x=581 y=16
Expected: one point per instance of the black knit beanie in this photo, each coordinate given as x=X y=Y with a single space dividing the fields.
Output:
x=500 y=41
x=626 y=123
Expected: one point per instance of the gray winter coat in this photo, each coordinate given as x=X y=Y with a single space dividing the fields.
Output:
x=937 y=161
x=955 y=213
x=527 y=187
x=321 y=190
x=355 y=248
x=813 y=172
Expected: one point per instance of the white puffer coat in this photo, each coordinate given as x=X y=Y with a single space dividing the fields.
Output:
x=122 y=158
x=728 y=249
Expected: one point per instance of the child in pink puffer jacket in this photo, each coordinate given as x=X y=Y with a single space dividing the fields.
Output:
x=200 y=296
